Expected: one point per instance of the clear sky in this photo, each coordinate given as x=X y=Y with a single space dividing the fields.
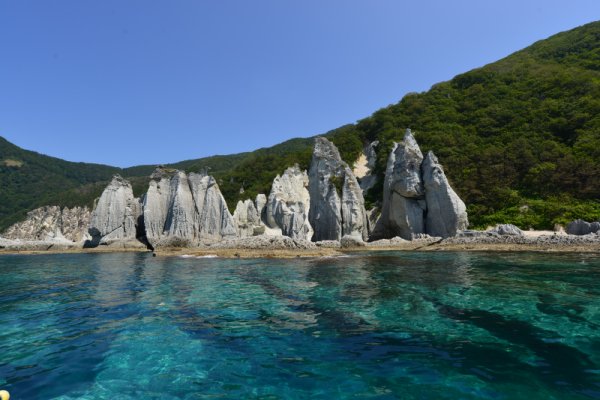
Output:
x=126 y=82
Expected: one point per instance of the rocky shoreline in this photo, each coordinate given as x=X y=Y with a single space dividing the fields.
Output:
x=319 y=212
x=284 y=247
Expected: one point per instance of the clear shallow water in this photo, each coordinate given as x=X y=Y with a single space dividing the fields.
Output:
x=376 y=326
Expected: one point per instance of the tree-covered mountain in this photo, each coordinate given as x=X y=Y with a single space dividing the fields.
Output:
x=519 y=139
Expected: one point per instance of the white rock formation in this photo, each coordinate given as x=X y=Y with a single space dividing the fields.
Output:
x=289 y=203
x=446 y=212
x=51 y=223
x=404 y=204
x=417 y=198
x=116 y=214
x=247 y=219
x=336 y=201
x=182 y=210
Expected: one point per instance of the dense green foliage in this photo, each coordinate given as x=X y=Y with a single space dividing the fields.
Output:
x=518 y=132
x=519 y=139
x=29 y=180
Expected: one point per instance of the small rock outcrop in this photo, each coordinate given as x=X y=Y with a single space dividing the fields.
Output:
x=247 y=219
x=336 y=200
x=446 y=212
x=507 y=230
x=289 y=203
x=51 y=223
x=182 y=210
x=581 y=227
x=417 y=198
x=116 y=214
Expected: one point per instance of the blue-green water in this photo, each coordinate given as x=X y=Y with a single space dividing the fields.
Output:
x=374 y=326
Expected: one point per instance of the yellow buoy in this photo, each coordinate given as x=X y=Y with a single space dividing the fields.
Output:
x=4 y=395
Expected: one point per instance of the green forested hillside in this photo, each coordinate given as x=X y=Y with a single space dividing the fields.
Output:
x=519 y=139
x=29 y=180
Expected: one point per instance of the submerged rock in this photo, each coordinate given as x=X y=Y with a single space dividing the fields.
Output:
x=446 y=212
x=116 y=214
x=51 y=223
x=289 y=203
x=336 y=201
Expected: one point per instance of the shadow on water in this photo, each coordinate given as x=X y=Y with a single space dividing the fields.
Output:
x=81 y=326
x=559 y=362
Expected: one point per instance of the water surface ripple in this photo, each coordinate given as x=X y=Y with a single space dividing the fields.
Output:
x=376 y=326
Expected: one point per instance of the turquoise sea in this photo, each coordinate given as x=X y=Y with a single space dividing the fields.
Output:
x=384 y=325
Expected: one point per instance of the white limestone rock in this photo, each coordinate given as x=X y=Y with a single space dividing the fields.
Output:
x=51 y=223
x=336 y=202
x=182 y=210
x=247 y=218
x=506 y=230
x=404 y=203
x=446 y=212
x=289 y=203
x=214 y=218
x=115 y=216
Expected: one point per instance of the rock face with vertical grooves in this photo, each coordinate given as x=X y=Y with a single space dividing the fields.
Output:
x=336 y=201
x=182 y=210
x=417 y=198
x=289 y=203
x=50 y=223
x=115 y=216
x=446 y=212
x=404 y=204
x=216 y=223
x=247 y=219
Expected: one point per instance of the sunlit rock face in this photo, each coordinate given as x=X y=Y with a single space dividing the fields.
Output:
x=116 y=214
x=336 y=200
x=403 y=205
x=51 y=223
x=446 y=212
x=247 y=218
x=185 y=210
x=417 y=197
x=288 y=204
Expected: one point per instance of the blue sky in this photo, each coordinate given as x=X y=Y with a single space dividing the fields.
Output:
x=126 y=82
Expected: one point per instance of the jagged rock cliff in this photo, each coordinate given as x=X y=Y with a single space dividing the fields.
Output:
x=336 y=201
x=182 y=210
x=116 y=215
x=403 y=207
x=289 y=203
x=51 y=223
x=417 y=197
x=446 y=212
